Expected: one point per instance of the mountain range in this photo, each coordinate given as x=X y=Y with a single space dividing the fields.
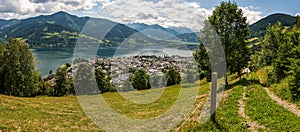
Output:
x=62 y=29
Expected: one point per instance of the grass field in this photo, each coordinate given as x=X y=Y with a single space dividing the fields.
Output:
x=65 y=113
x=227 y=116
x=43 y=114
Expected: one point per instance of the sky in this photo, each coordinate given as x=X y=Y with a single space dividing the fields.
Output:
x=167 y=13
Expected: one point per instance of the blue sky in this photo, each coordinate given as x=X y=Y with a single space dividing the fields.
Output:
x=187 y=13
x=267 y=7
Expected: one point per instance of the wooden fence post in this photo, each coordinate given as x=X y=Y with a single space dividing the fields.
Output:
x=213 y=100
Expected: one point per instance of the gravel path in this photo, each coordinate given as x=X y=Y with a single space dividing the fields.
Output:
x=289 y=106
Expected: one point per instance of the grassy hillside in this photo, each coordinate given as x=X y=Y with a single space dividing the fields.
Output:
x=265 y=111
x=43 y=114
x=65 y=113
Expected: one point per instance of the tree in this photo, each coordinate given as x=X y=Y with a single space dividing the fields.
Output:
x=173 y=77
x=288 y=49
x=20 y=74
x=103 y=81
x=140 y=80
x=295 y=79
x=272 y=40
x=292 y=61
x=85 y=79
x=2 y=50
x=297 y=23
x=63 y=84
x=230 y=24
x=201 y=56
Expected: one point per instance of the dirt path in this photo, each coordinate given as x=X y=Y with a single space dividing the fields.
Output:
x=289 y=106
x=253 y=126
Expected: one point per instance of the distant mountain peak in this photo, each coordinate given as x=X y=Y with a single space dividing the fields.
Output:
x=61 y=13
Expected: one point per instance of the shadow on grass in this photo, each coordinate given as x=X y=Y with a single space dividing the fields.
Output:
x=208 y=126
x=243 y=82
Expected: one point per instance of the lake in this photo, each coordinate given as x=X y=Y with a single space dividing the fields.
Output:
x=51 y=59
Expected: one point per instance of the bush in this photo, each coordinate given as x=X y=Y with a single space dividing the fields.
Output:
x=173 y=77
x=103 y=81
x=295 y=80
x=140 y=80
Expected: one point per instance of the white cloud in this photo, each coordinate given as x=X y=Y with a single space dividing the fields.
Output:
x=165 y=12
x=297 y=14
x=26 y=8
x=252 y=15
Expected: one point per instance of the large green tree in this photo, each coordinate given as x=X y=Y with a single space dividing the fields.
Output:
x=21 y=77
x=230 y=24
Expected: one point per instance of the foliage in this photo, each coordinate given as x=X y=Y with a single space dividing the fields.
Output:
x=140 y=80
x=202 y=59
x=2 y=50
x=85 y=80
x=295 y=80
x=265 y=75
x=103 y=81
x=63 y=84
x=20 y=78
x=257 y=62
x=173 y=77
x=230 y=24
x=282 y=89
x=271 y=43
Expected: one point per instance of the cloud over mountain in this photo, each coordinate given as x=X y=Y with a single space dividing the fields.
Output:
x=168 y=13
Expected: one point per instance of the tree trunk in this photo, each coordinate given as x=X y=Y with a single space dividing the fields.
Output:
x=226 y=81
